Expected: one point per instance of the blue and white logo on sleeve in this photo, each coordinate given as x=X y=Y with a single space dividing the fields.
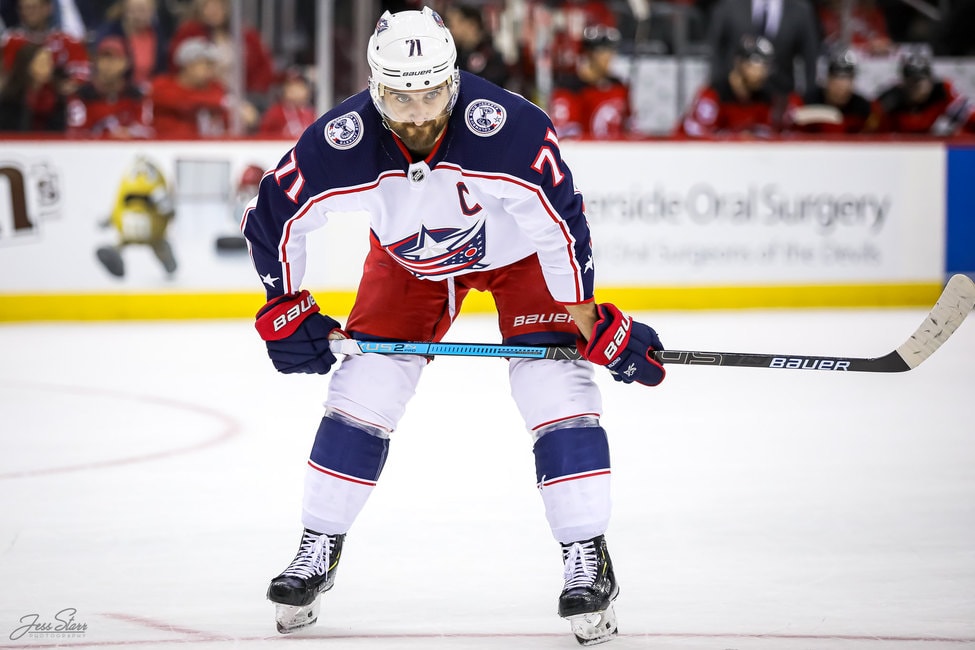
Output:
x=345 y=131
x=485 y=118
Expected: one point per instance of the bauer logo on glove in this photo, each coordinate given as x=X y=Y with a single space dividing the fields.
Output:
x=619 y=339
x=624 y=346
x=286 y=317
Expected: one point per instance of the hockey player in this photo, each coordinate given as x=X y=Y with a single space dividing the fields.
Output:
x=834 y=106
x=742 y=102
x=592 y=102
x=465 y=188
x=920 y=103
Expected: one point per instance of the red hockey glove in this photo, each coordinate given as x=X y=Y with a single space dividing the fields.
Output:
x=623 y=345
x=296 y=334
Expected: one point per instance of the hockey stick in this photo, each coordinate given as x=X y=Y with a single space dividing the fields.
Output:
x=351 y=346
x=955 y=303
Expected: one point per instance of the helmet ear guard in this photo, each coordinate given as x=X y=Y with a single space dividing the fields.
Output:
x=411 y=51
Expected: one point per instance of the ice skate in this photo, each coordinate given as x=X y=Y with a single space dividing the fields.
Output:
x=296 y=592
x=590 y=588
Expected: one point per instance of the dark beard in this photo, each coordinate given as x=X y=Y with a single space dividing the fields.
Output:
x=420 y=140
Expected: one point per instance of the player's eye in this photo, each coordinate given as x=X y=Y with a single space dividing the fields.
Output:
x=432 y=95
x=402 y=99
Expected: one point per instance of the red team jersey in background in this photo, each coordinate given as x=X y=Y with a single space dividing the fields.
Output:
x=46 y=110
x=286 y=121
x=70 y=55
x=95 y=113
x=856 y=115
x=181 y=112
x=599 y=110
x=717 y=111
x=897 y=115
x=259 y=72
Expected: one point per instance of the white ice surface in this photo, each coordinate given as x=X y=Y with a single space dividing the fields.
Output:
x=151 y=474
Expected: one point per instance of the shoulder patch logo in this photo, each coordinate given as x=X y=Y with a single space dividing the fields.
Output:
x=485 y=118
x=345 y=131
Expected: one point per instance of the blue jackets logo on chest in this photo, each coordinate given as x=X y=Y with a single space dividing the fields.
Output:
x=441 y=251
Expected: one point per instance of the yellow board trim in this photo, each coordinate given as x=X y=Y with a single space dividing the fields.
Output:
x=156 y=306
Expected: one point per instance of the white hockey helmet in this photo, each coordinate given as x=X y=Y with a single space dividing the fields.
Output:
x=411 y=51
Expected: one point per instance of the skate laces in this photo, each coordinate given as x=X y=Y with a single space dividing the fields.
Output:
x=313 y=557
x=580 y=564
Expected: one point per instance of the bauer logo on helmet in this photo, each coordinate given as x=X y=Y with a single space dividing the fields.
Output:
x=411 y=51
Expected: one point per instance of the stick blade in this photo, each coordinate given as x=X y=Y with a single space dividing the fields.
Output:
x=954 y=305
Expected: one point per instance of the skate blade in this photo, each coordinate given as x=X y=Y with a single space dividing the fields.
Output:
x=594 y=628
x=290 y=618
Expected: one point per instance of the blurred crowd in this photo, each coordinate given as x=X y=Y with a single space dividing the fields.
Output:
x=140 y=69
x=169 y=68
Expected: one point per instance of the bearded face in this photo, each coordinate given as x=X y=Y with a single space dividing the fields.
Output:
x=418 y=117
x=420 y=138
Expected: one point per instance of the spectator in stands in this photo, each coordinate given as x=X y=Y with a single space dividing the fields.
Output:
x=293 y=112
x=109 y=105
x=920 y=103
x=834 y=106
x=33 y=98
x=475 y=49
x=592 y=103
x=36 y=26
x=867 y=27
x=192 y=103
x=790 y=25
x=70 y=16
x=742 y=102
x=146 y=42
x=210 y=19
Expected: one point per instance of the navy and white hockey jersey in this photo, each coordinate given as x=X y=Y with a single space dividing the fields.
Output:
x=493 y=192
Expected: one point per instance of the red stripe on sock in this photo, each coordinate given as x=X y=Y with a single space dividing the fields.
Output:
x=344 y=477
x=576 y=477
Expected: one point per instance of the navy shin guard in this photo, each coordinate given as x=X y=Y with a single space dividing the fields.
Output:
x=571 y=453
x=348 y=451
